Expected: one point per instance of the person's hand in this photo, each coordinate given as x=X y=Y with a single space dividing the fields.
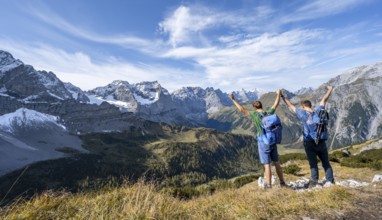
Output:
x=231 y=96
x=329 y=87
x=278 y=92
x=281 y=94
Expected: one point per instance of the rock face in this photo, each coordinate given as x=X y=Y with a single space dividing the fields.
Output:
x=303 y=91
x=149 y=100
x=244 y=96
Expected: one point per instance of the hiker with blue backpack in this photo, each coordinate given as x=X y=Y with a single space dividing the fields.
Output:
x=315 y=135
x=268 y=127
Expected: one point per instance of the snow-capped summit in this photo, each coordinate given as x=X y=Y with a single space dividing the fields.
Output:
x=27 y=119
x=248 y=96
x=28 y=136
x=7 y=62
x=148 y=92
x=196 y=99
x=189 y=93
x=128 y=96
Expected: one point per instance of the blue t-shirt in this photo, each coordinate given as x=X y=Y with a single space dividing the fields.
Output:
x=303 y=116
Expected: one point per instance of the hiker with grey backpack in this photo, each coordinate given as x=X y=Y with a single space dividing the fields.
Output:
x=269 y=131
x=315 y=134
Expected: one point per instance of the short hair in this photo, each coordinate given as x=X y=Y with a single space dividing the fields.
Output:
x=257 y=105
x=306 y=103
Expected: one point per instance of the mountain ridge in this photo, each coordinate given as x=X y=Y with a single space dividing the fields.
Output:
x=356 y=112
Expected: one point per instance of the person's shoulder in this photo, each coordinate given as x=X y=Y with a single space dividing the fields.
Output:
x=252 y=113
x=271 y=110
x=318 y=108
x=300 y=112
x=298 y=109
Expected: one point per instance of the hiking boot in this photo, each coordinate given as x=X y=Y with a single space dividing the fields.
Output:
x=283 y=184
x=268 y=186
x=327 y=183
x=312 y=184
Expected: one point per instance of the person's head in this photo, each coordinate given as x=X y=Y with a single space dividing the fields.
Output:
x=306 y=104
x=257 y=105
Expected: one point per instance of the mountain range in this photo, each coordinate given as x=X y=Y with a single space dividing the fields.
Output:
x=43 y=118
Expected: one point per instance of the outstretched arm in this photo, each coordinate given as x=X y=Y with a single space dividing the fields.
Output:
x=326 y=96
x=240 y=107
x=288 y=103
x=277 y=100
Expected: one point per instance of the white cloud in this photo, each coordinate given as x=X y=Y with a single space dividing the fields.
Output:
x=249 y=49
x=79 y=69
x=252 y=56
x=53 y=19
x=187 y=24
x=321 y=8
x=184 y=23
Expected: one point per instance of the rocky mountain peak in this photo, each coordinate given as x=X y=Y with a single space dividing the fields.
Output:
x=357 y=73
x=248 y=96
x=7 y=62
x=189 y=92
x=23 y=118
x=149 y=89
x=303 y=90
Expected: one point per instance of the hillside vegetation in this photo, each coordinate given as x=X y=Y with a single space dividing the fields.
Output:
x=144 y=200
x=174 y=156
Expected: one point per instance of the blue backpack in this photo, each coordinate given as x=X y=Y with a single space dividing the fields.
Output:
x=317 y=125
x=272 y=129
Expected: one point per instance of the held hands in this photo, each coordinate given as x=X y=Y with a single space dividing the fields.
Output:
x=231 y=96
x=279 y=93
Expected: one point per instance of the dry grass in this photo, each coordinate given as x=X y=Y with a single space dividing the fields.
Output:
x=143 y=201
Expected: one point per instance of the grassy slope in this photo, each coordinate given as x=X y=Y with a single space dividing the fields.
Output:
x=143 y=201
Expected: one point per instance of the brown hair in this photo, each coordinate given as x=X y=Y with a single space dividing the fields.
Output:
x=306 y=103
x=257 y=105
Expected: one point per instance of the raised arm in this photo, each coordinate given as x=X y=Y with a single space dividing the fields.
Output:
x=277 y=100
x=288 y=103
x=240 y=107
x=326 y=96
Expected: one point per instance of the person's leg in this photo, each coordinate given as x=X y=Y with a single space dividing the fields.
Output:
x=275 y=158
x=312 y=158
x=324 y=157
x=279 y=171
x=265 y=159
x=268 y=174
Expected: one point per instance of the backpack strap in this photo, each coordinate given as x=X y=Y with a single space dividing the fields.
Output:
x=310 y=117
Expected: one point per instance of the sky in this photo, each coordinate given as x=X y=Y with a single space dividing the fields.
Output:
x=224 y=44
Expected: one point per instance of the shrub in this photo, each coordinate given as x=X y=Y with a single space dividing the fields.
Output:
x=292 y=169
x=337 y=156
x=184 y=192
x=220 y=184
x=371 y=158
x=292 y=156
x=376 y=165
x=241 y=181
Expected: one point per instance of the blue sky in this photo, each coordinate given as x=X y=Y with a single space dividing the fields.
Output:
x=226 y=44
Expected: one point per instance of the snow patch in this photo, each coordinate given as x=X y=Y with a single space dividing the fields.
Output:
x=24 y=117
x=145 y=101
x=94 y=99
